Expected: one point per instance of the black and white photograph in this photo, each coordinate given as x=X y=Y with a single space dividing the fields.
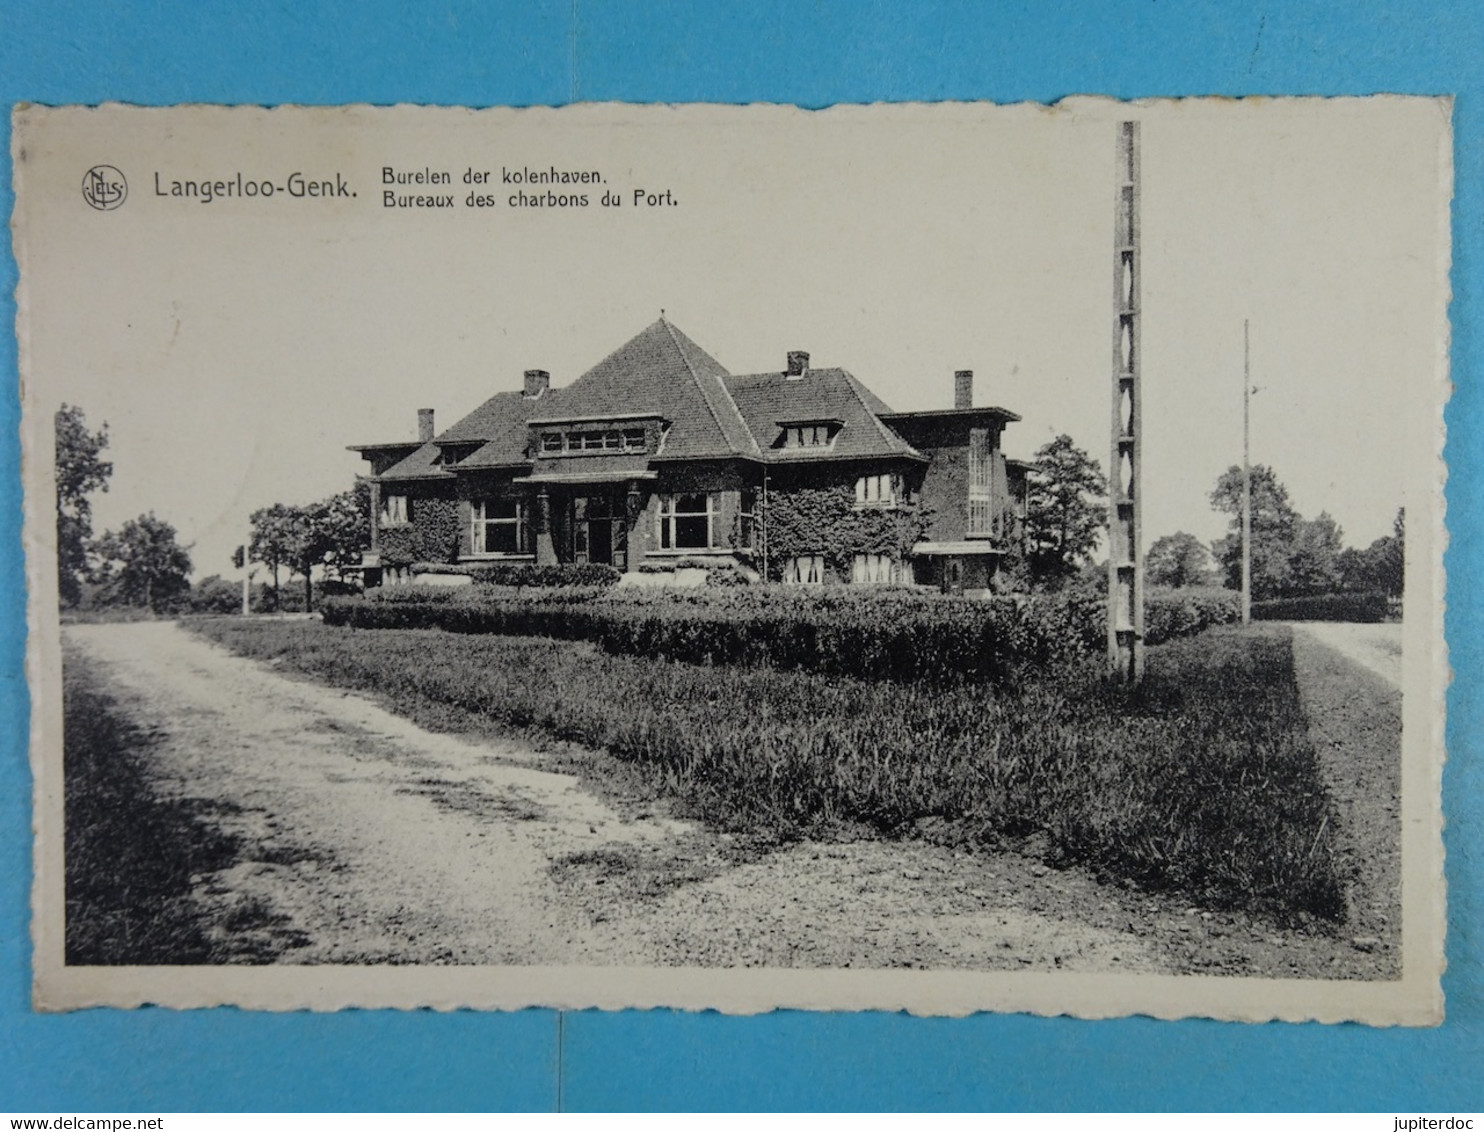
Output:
x=941 y=557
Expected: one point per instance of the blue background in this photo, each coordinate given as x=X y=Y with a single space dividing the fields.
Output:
x=811 y=54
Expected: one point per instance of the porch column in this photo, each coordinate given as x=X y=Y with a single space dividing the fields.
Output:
x=633 y=509
x=545 y=547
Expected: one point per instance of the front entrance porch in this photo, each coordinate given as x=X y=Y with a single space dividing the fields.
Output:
x=589 y=518
x=599 y=526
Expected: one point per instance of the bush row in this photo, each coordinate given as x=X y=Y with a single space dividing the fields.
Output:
x=526 y=573
x=872 y=635
x=1173 y=613
x=1323 y=607
x=937 y=641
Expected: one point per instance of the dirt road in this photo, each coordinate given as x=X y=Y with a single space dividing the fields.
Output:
x=367 y=839
x=1377 y=648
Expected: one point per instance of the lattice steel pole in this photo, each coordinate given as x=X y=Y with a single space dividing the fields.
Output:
x=1125 y=564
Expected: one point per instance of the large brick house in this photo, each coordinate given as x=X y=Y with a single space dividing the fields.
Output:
x=659 y=455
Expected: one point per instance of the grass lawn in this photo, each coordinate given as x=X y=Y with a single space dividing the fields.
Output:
x=1201 y=781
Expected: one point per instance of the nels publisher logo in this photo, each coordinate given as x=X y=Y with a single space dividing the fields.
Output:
x=104 y=187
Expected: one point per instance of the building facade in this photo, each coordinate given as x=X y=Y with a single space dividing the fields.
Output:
x=657 y=455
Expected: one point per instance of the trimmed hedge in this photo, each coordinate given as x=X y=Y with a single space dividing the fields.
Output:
x=525 y=573
x=1172 y=613
x=866 y=633
x=1368 y=607
x=940 y=641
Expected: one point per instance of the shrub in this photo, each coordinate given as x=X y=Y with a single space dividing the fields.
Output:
x=525 y=573
x=1172 y=613
x=215 y=594
x=1368 y=607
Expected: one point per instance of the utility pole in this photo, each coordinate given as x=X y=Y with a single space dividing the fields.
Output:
x=1246 y=476
x=247 y=574
x=1125 y=564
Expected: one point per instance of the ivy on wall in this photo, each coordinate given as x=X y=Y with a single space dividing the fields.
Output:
x=825 y=520
x=431 y=536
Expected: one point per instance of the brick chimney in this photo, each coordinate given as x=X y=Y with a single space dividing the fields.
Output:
x=425 y=425
x=798 y=363
x=538 y=381
x=963 y=389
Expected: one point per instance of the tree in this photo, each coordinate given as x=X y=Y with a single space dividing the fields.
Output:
x=310 y=545
x=1179 y=559
x=1389 y=556
x=1274 y=526
x=143 y=564
x=1314 y=564
x=81 y=470
x=1380 y=566
x=346 y=522
x=275 y=533
x=1066 y=509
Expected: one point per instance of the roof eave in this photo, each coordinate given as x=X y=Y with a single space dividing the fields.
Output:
x=842 y=457
x=927 y=414
x=409 y=445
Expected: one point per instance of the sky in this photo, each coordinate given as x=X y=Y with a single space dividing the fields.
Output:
x=235 y=348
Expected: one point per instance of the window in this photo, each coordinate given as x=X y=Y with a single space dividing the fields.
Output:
x=593 y=440
x=394 y=511
x=687 y=522
x=746 y=520
x=804 y=570
x=981 y=484
x=499 y=526
x=810 y=434
x=873 y=569
x=884 y=490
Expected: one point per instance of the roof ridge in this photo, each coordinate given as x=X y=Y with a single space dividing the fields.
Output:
x=888 y=435
x=701 y=389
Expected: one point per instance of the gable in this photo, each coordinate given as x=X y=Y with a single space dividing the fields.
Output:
x=772 y=404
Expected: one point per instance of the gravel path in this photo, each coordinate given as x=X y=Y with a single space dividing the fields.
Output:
x=367 y=839
x=1376 y=648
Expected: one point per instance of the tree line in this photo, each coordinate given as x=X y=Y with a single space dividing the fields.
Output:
x=142 y=564
x=1292 y=556
x=329 y=536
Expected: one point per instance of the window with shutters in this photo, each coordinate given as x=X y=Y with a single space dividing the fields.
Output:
x=874 y=569
x=804 y=570
x=395 y=511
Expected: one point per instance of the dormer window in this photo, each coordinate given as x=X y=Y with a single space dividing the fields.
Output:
x=809 y=434
x=590 y=441
x=454 y=454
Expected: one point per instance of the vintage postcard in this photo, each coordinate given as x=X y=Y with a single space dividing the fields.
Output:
x=930 y=557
